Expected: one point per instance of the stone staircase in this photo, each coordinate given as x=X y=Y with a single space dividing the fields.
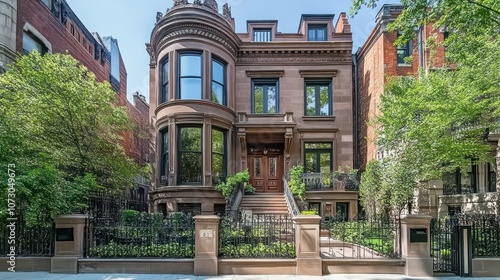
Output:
x=265 y=203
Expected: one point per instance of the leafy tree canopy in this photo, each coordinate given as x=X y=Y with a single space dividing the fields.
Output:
x=62 y=131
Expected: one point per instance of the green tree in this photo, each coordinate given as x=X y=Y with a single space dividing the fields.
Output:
x=440 y=119
x=62 y=131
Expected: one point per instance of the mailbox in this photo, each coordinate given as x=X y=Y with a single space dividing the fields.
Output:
x=64 y=234
x=418 y=235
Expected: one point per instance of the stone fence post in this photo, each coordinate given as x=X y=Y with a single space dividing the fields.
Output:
x=206 y=242
x=415 y=245
x=307 y=245
x=69 y=243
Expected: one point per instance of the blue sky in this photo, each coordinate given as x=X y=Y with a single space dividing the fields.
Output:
x=131 y=22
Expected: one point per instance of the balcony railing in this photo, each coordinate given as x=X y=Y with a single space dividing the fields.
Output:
x=330 y=181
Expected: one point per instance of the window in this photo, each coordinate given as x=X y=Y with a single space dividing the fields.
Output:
x=461 y=182
x=265 y=96
x=318 y=158
x=191 y=209
x=492 y=178
x=162 y=208
x=219 y=209
x=403 y=51
x=262 y=35
x=164 y=81
x=190 y=76
x=318 y=99
x=47 y=3
x=190 y=155
x=315 y=206
x=454 y=210
x=316 y=32
x=342 y=211
x=164 y=158
x=30 y=43
x=219 y=157
x=218 y=82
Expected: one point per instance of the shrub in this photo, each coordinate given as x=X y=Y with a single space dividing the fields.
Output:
x=232 y=181
x=297 y=187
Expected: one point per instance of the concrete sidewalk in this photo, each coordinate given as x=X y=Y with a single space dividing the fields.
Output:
x=50 y=276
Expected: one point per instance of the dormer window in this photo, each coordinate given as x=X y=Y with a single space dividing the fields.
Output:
x=262 y=35
x=316 y=32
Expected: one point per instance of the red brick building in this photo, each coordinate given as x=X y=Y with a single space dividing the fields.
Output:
x=471 y=191
x=51 y=26
x=379 y=58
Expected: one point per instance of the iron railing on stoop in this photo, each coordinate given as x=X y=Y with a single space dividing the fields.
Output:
x=293 y=209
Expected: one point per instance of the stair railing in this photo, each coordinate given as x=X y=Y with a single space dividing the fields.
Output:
x=234 y=200
x=293 y=209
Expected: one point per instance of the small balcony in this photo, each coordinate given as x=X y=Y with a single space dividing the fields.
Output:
x=330 y=181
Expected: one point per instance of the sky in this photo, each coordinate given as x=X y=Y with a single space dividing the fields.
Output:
x=131 y=23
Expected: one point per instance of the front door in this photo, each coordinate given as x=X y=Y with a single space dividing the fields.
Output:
x=266 y=171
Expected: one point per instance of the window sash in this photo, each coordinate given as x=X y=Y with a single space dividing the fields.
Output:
x=164 y=81
x=315 y=107
x=262 y=35
x=403 y=51
x=319 y=156
x=316 y=33
x=269 y=104
x=218 y=94
x=30 y=43
x=190 y=161
x=219 y=155
x=190 y=79
x=164 y=153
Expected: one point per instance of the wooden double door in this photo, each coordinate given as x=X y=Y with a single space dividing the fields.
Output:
x=266 y=171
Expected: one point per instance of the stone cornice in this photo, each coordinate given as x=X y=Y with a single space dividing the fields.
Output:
x=194 y=21
x=341 y=46
x=295 y=57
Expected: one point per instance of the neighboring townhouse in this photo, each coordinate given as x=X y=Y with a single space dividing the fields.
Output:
x=222 y=102
x=374 y=61
x=50 y=26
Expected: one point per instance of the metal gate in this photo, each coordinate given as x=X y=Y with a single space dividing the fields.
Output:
x=444 y=244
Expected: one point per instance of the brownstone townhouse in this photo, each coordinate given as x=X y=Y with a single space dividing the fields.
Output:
x=222 y=102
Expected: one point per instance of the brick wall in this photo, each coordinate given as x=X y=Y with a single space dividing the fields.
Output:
x=69 y=38
x=377 y=59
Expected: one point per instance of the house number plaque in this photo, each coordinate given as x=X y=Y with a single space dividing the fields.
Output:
x=206 y=233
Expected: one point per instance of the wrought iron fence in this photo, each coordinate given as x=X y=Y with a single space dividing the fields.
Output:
x=330 y=181
x=256 y=236
x=361 y=238
x=107 y=204
x=444 y=250
x=485 y=233
x=143 y=235
x=444 y=239
x=27 y=241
